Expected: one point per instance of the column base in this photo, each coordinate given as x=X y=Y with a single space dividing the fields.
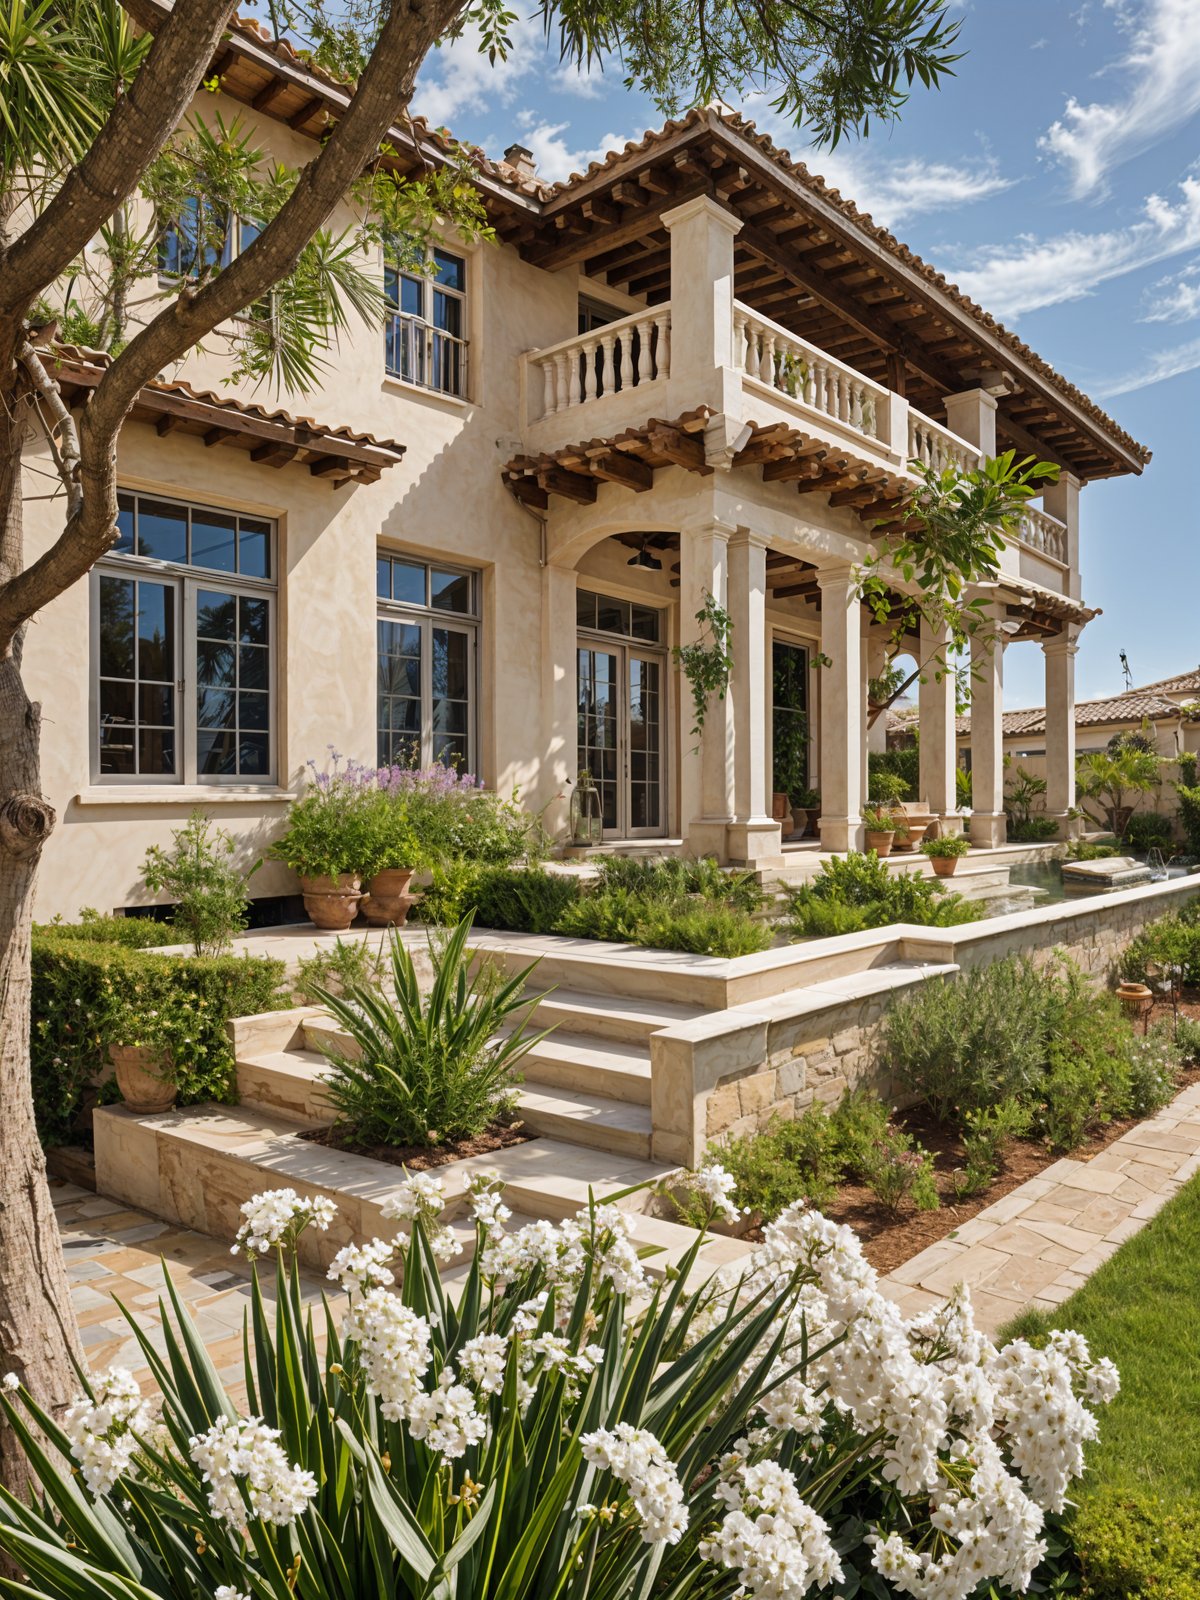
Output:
x=1069 y=826
x=706 y=836
x=757 y=843
x=988 y=829
x=949 y=824
x=841 y=833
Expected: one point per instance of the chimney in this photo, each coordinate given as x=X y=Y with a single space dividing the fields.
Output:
x=521 y=161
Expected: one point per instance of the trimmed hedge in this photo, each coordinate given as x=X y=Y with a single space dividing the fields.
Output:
x=80 y=986
x=135 y=933
x=1135 y=1547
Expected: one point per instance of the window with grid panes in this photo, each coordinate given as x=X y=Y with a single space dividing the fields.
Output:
x=183 y=617
x=427 y=639
x=425 y=336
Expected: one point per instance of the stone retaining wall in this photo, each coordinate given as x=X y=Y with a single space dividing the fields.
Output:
x=732 y=1072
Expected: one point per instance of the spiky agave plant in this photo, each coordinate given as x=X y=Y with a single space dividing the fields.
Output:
x=561 y=1427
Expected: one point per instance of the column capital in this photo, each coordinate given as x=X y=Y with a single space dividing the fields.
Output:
x=710 y=525
x=702 y=205
x=1063 y=645
x=742 y=537
x=835 y=573
x=980 y=396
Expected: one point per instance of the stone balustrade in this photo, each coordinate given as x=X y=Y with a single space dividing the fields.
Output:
x=935 y=446
x=620 y=355
x=765 y=351
x=1044 y=534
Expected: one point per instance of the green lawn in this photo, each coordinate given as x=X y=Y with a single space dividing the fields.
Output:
x=1142 y=1308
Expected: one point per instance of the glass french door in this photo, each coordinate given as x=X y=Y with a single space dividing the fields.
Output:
x=620 y=699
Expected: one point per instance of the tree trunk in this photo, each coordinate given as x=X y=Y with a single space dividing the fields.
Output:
x=38 y=1336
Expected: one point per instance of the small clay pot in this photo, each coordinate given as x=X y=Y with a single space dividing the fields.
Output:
x=945 y=866
x=779 y=807
x=387 y=902
x=1137 y=998
x=144 y=1076
x=881 y=843
x=332 y=903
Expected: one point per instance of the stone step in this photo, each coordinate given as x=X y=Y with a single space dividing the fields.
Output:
x=197 y=1165
x=618 y=1069
x=586 y=1119
x=287 y=1083
x=611 y=1016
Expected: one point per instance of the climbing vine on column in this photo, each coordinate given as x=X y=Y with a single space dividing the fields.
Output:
x=708 y=661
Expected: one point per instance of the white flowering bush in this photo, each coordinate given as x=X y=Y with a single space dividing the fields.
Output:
x=563 y=1427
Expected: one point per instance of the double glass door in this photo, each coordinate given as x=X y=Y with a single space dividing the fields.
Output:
x=620 y=699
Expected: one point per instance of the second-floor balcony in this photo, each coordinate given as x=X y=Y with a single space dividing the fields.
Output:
x=635 y=368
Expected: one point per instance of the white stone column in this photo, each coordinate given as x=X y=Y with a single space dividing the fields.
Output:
x=560 y=693
x=706 y=763
x=702 y=235
x=1060 y=727
x=754 y=837
x=936 y=711
x=842 y=699
x=988 y=825
x=1061 y=500
x=972 y=416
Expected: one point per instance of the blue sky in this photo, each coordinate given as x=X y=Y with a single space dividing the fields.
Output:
x=1057 y=180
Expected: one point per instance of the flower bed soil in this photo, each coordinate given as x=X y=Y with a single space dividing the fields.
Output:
x=888 y=1240
x=424 y=1157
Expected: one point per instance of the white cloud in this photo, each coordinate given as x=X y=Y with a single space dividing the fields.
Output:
x=565 y=77
x=1162 y=364
x=896 y=191
x=1162 y=91
x=555 y=158
x=1175 y=299
x=459 y=78
x=1011 y=279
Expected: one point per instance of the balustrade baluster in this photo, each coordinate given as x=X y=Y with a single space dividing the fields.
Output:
x=739 y=340
x=766 y=370
x=751 y=350
x=589 y=369
x=663 y=354
x=856 y=409
x=562 y=365
x=644 y=368
x=548 y=398
x=607 y=382
x=573 y=395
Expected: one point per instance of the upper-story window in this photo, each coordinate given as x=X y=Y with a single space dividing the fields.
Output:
x=183 y=639
x=425 y=336
x=200 y=238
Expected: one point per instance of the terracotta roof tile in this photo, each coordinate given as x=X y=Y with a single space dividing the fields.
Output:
x=1118 y=708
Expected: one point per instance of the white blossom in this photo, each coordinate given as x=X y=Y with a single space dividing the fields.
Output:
x=483 y=1359
x=244 y=1454
x=715 y=1186
x=11 y=1382
x=637 y=1460
x=447 y=1419
x=776 y=1543
x=419 y=1195
x=103 y=1428
x=359 y=1267
x=277 y=1217
x=393 y=1342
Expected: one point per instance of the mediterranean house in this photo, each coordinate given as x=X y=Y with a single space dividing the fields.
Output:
x=693 y=370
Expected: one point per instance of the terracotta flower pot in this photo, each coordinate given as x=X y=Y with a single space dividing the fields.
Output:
x=945 y=866
x=1118 y=819
x=143 y=1076
x=779 y=807
x=387 y=901
x=881 y=843
x=332 y=903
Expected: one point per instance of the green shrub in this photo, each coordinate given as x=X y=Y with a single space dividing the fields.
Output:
x=1168 y=947
x=861 y=885
x=1189 y=767
x=1134 y=1546
x=449 y=895
x=613 y=914
x=987 y=1133
x=1089 y=850
x=676 y=876
x=1187 y=1040
x=1149 y=830
x=898 y=1170
x=787 y=1161
x=949 y=847
x=85 y=993
x=904 y=764
x=348 y=965
x=969 y=1042
x=1153 y=1063
x=1188 y=797
x=702 y=930
x=1032 y=830
x=859 y=1121
x=522 y=900
x=135 y=933
x=1088 y=1077
x=886 y=788
x=428 y=1069
x=206 y=886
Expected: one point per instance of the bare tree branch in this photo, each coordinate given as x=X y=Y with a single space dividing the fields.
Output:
x=66 y=453
x=386 y=85
x=139 y=125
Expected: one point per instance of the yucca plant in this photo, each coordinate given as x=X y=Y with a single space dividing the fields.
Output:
x=428 y=1069
x=561 y=1431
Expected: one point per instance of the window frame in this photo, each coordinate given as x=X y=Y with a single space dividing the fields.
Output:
x=187 y=581
x=429 y=286
x=428 y=617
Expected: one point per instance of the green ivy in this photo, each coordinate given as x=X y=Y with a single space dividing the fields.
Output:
x=708 y=662
x=88 y=995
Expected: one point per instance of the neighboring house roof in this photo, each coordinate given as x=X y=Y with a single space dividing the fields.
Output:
x=720 y=151
x=1186 y=683
x=1136 y=705
x=275 y=437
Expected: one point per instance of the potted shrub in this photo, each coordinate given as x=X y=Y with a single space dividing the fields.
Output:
x=393 y=854
x=945 y=853
x=1113 y=776
x=806 y=809
x=139 y=1048
x=202 y=878
x=881 y=830
x=327 y=845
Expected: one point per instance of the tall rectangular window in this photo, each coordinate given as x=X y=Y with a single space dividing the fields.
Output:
x=183 y=646
x=427 y=637
x=425 y=339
